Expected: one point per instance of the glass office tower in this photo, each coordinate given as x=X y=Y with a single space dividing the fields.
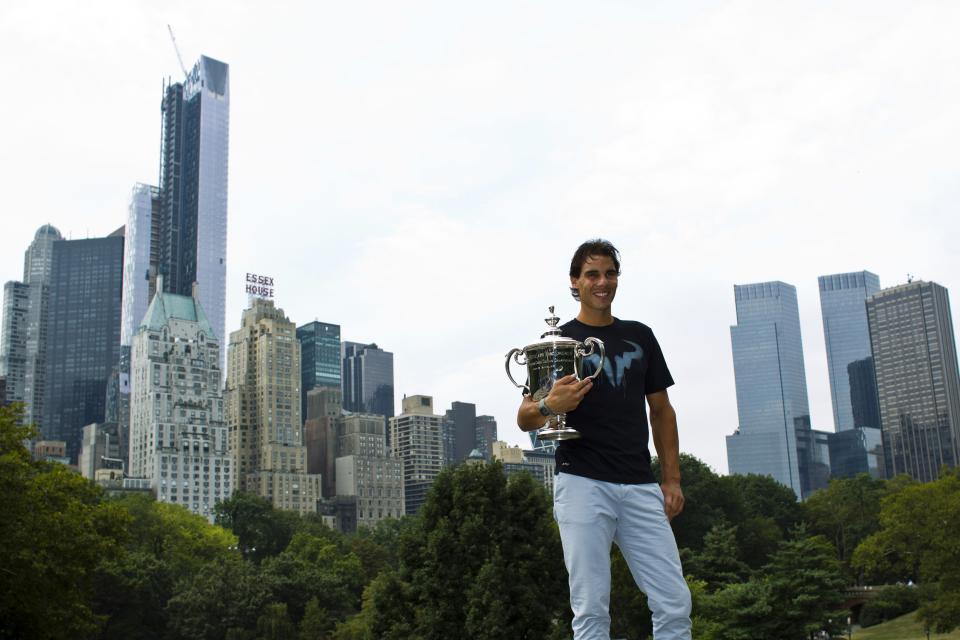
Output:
x=82 y=336
x=771 y=383
x=193 y=187
x=139 y=259
x=918 y=385
x=319 y=358
x=843 y=304
x=367 y=379
x=179 y=230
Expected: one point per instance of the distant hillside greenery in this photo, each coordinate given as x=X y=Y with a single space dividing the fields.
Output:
x=482 y=560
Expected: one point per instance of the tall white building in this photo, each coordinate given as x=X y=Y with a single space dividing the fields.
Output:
x=178 y=438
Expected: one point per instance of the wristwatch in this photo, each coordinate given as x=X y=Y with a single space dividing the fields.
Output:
x=545 y=411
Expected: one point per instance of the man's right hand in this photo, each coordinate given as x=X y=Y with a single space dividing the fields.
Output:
x=566 y=394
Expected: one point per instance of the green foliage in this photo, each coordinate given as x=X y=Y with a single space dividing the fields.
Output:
x=718 y=564
x=13 y=434
x=707 y=499
x=769 y=512
x=275 y=624
x=131 y=591
x=183 y=540
x=262 y=531
x=225 y=594
x=846 y=512
x=742 y=611
x=54 y=529
x=315 y=568
x=484 y=562
x=316 y=623
x=806 y=585
x=794 y=595
x=917 y=540
x=891 y=602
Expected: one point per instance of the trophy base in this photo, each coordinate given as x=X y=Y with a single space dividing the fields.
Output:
x=565 y=433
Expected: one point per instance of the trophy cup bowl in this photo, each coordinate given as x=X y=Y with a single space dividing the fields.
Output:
x=553 y=357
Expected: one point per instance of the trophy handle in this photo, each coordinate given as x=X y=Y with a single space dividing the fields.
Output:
x=594 y=344
x=516 y=353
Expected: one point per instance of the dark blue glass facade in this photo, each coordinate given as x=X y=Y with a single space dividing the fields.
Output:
x=319 y=358
x=83 y=335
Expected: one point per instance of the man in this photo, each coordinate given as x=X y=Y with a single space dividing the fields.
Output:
x=605 y=491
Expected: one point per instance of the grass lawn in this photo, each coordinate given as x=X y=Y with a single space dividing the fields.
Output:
x=902 y=628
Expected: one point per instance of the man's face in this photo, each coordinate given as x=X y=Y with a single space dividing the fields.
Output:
x=597 y=284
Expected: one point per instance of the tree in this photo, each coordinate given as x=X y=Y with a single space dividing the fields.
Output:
x=54 y=530
x=262 y=531
x=707 y=499
x=805 y=584
x=719 y=564
x=316 y=623
x=769 y=511
x=275 y=624
x=846 y=512
x=484 y=561
x=131 y=591
x=226 y=596
x=917 y=541
x=315 y=568
x=183 y=540
x=742 y=611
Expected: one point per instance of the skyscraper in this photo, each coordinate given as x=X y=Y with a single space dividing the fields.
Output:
x=82 y=335
x=918 y=385
x=263 y=410
x=179 y=230
x=771 y=383
x=416 y=438
x=319 y=358
x=486 y=430
x=460 y=426
x=364 y=469
x=140 y=259
x=324 y=406
x=843 y=298
x=23 y=338
x=178 y=438
x=13 y=339
x=367 y=379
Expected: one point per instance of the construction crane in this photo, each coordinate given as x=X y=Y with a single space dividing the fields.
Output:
x=177 y=50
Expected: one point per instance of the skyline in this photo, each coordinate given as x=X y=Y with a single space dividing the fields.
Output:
x=393 y=135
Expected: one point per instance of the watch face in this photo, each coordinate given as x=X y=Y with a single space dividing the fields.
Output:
x=543 y=409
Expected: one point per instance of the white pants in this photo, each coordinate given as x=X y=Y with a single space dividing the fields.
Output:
x=592 y=515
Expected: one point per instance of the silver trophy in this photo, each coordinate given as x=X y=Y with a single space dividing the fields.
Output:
x=554 y=357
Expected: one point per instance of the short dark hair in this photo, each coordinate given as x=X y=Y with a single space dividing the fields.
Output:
x=595 y=247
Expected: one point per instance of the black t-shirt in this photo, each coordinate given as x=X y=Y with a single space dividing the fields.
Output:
x=612 y=417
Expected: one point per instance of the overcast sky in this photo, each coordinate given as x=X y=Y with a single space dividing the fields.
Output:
x=420 y=173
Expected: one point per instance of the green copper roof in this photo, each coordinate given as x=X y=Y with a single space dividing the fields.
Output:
x=170 y=305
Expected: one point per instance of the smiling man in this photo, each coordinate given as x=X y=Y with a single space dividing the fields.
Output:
x=605 y=491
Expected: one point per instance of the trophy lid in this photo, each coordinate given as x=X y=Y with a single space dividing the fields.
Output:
x=552 y=322
x=552 y=337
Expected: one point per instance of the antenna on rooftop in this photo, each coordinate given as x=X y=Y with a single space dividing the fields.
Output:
x=909 y=278
x=177 y=49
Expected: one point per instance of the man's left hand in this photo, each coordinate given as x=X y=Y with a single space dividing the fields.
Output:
x=672 y=499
